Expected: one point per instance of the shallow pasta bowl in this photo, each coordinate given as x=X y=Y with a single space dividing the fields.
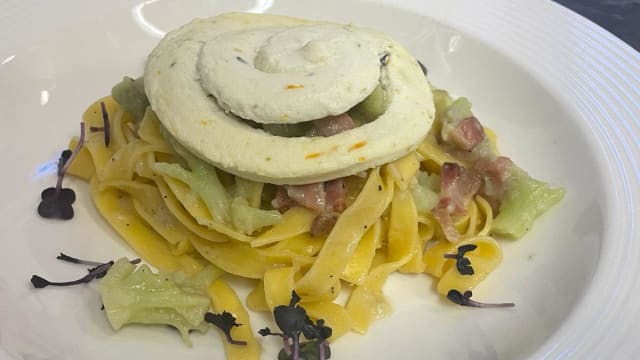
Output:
x=562 y=94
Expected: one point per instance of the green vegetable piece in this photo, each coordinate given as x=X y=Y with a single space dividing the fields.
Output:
x=133 y=294
x=442 y=101
x=250 y=190
x=460 y=109
x=372 y=106
x=129 y=93
x=526 y=199
x=202 y=179
x=208 y=188
x=425 y=193
x=250 y=219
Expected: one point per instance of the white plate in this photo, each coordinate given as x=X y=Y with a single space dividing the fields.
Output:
x=561 y=93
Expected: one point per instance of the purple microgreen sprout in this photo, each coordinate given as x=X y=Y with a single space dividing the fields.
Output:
x=56 y=202
x=67 y=258
x=225 y=322
x=105 y=127
x=98 y=271
x=463 y=264
x=461 y=299
x=292 y=319
x=95 y=273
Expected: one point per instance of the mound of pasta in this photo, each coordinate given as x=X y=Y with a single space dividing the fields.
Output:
x=434 y=206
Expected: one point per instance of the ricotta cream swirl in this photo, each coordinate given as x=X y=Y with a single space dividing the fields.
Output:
x=290 y=75
x=204 y=78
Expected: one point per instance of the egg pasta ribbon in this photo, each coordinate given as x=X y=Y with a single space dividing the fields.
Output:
x=224 y=298
x=180 y=213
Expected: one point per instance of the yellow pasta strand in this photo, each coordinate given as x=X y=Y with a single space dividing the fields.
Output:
x=92 y=116
x=334 y=315
x=100 y=154
x=484 y=259
x=435 y=263
x=367 y=303
x=403 y=233
x=485 y=209
x=330 y=295
x=491 y=135
x=181 y=214
x=404 y=170
x=121 y=165
x=295 y=221
x=278 y=285
x=433 y=155
x=234 y=257
x=82 y=165
x=297 y=250
x=426 y=229
x=118 y=139
x=358 y=266
x=117 y=208
x=194 y=206
x=223 y=298
x=150 y=130
x=148 y=203
x=256 y=300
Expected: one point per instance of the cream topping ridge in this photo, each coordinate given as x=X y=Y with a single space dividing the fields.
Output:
x=205 y=78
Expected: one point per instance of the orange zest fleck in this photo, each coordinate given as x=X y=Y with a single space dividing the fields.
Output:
x=357 y=145
x=362 y=158
x=294 y=86
x=313 y=155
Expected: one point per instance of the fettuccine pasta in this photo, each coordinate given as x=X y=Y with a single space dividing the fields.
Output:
x=381 y=232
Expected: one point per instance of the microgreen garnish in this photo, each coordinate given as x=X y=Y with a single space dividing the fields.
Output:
x=422 y=67
x=105 y=119
x=463 y=264
x=293 y=320
x=384 y=60
x=56 y=202
x=71 y=259
x=225 y=322
x=95 y=273
x=105 y=127
x=98 y=271
x=459 y=298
